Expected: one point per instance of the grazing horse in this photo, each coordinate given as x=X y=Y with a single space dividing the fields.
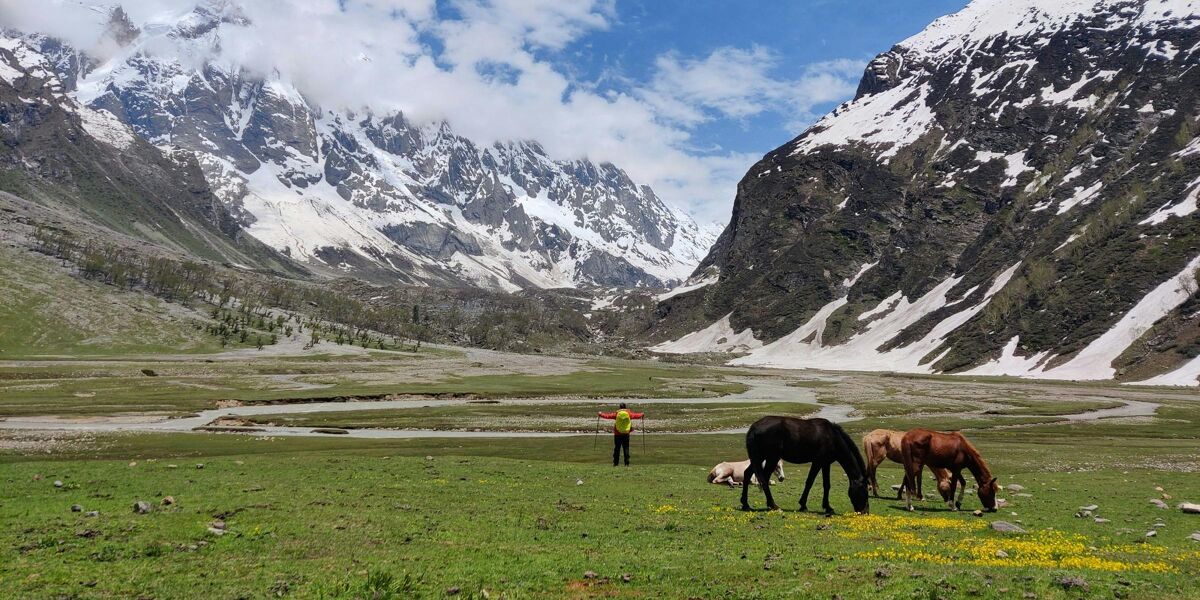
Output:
x=816 y=441
x=884 y=444
x=730 y=473
x=952 y=451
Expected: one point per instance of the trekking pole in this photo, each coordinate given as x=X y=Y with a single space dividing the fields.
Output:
x=595 y=432
x=645 y=423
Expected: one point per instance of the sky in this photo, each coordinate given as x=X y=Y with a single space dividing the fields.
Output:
x=685 y=95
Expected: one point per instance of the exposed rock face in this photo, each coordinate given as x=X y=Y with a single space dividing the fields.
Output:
x=56 y=152
x=378 y=194
x=1012 y=191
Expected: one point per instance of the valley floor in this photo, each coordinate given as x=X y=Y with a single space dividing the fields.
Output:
x=424 y=498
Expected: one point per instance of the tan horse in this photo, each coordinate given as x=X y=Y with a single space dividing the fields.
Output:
x=923 y=447
x=731 y=473
x=882 y=444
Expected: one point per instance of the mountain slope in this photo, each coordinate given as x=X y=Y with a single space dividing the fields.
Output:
x=60 y=154
x=373 y=193
x=1012 y=191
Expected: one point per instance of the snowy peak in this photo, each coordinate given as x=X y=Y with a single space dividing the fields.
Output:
x=1013 y=191
x=370 y=191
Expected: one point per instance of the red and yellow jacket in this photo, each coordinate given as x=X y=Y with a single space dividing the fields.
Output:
x=626 y=421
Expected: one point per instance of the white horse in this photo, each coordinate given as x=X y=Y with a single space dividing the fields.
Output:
x=730 y=473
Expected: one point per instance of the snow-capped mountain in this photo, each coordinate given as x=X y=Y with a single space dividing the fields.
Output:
x=1012 y=191
x=373 y=193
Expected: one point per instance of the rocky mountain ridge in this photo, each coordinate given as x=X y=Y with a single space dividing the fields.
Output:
x=374 y=195
x=1012 y=191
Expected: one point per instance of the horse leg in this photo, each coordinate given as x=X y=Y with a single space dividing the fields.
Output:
x=825 y=500
x=746 y=475
x=764 y=479
x=872 y=467
x=808 y=483
x=911 y=473
x=962 y=489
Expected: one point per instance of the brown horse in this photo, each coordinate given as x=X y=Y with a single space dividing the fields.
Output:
x=952 y=451
x=884 y=444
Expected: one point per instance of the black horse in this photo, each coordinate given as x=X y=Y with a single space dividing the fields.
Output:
x=816 y=441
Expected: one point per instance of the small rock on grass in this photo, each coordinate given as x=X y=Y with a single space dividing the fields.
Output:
x=141 y=507
x=1189 y=507
x=1101 y=520
x=168 y=500
x=1015 y=487
x=92 y=513
x=1151 y=533
x=589 y=574
x=1072 y=582
x=199 y=465
x=58 y=483
x=1001 y=554
x=977 y=512
x=1091 y=507
x=1006 y=527
x=626 y=577
x=453 y=590
x=1195 y=537
x=1159 y=503
x=76 y=508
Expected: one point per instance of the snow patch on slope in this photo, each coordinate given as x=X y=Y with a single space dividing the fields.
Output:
x=1094 y=362
x=718 y=337
x=803 y=348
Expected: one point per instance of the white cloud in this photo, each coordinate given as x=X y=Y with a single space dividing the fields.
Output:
x=482 y=66
x=737 y=84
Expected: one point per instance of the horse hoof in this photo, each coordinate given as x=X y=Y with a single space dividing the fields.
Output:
x=746 y=508
x=772 y=507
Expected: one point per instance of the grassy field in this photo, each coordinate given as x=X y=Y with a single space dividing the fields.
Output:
x=534 y=518
x=548 y=517
x=190 y=384
x=47 y=312
x=541 y=417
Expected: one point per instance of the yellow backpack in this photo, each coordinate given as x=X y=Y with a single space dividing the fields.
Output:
x=624 y=423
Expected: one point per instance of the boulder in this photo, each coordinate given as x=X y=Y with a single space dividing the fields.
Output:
x=1072 y=582
x=1006 y=527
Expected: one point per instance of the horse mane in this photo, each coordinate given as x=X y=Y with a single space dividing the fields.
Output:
x=976 y=457
x=849 y=447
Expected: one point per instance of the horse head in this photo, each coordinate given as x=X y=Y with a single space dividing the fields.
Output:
x=858 y=495
x=987 y=495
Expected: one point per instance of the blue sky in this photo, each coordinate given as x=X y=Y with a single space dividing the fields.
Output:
x=798 y=33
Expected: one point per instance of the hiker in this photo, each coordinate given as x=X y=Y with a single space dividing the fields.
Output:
x=622 y=427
